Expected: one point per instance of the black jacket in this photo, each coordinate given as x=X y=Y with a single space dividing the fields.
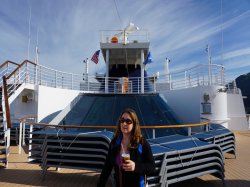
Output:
x=144 y=165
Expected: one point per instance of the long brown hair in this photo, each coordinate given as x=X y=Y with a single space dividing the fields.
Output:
x=136 y=135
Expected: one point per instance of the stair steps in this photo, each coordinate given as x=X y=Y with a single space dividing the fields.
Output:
x=3 y=161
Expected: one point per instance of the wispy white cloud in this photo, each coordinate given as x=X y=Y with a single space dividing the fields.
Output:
x=237 y=62
x=237 y=53
x=69 y=30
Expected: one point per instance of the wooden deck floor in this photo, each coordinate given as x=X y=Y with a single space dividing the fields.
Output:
x=21 y=173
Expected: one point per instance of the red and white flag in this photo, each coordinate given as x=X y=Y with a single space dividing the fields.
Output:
x=95 y=57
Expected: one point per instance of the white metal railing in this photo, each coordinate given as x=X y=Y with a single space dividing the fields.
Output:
x=22 y=129
x=231 y=87
x=6 y=68
x=196 y=76
x=135 y=37
x=248 y=120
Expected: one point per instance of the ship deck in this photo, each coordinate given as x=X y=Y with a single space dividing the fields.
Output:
x=21 y=173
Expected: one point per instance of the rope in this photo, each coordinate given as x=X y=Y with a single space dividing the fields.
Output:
x=117 y=12
x=194 y=152
x=59 y=140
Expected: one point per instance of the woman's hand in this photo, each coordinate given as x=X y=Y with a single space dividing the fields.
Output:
x=128 y=165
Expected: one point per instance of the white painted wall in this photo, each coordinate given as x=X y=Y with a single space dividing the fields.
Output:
x=218 y=100
x=46 y=101
x=226 y=109
x=65 y=111
x=236 y=112
x=185 y=103
x=51 y=100
x=19 y=109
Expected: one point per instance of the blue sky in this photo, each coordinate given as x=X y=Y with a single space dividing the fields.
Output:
x=68 y=31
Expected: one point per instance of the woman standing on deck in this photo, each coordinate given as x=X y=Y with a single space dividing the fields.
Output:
x=129 y=154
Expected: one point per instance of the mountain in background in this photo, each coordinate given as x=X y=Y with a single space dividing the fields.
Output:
x=243 y=82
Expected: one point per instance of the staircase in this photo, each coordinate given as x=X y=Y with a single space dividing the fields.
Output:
x=5 y=69
x=4 y=137
x=3 y=157
x=12 y=76
x=4 y=146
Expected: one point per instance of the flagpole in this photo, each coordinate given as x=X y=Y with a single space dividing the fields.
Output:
x=142 y=71
x=86 y=69
x=167 y=61
x=107 y=71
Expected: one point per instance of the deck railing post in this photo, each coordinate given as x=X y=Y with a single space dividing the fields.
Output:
x=88 y=83
x=207 y=127
x=72 y=81
x=185 y=79
x=154 y=84
x=20 y=137
x=23 y=141
x=142 y=71
x=7 y=136
x=8 y=67
x=27 y=76
x=170 y=82
x=138 y=84
x=62 y=80
x=222 y=76
x=55 y=79
x=153 y=131
x=40 y=72
x=36 y=81
x=248 y=119
x=189 y=131
x=30 y=140
x=107 y=71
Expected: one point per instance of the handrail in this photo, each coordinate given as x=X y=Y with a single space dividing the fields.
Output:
x=113 y=127
x=24 y=62
x=23 y=122
x=7 y=62
x=6 y=103
x=23 y=119
x=6 y=68
x=19 y=75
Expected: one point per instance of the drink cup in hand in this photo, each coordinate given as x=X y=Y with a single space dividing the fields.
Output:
x=125 y=156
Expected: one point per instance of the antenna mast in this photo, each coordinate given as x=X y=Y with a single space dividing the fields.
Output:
x=37 y=51
x=29 y=35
